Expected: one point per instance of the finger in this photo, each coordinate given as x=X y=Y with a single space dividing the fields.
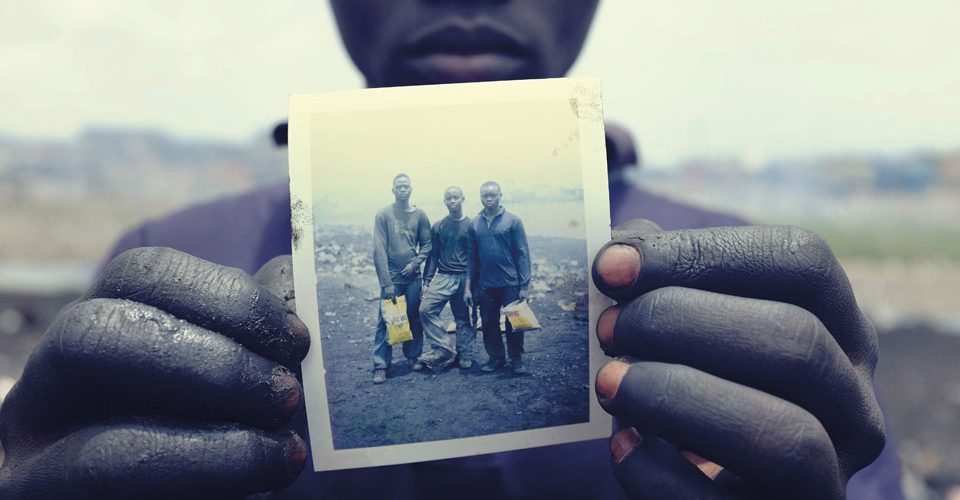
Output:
x=276 y=276
x=633 y=227
x=620 y=264
x=649 y=468
x=104 y=357
x=777 y=348
x=775 y=446
x=779 y=263
x=222 y=299
x=154 y=460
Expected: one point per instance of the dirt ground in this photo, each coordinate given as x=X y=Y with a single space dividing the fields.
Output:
x=427 y=406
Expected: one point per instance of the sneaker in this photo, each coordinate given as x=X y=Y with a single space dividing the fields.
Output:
x=416 y=365
x=492 y=365
x=379 y=376
x=517 y=367
x=466 y=364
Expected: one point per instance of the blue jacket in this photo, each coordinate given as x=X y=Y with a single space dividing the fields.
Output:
x=497 y=252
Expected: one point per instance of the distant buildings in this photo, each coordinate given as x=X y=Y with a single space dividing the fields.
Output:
x=147 y=165
x=133 y=165
x=839 y=175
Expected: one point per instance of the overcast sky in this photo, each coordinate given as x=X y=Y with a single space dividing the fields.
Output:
x=754 y=78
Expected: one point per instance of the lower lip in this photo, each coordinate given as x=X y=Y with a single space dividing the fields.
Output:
x=455 y=68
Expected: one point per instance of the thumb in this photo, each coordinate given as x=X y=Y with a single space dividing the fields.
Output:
x=277 y=277
x=634 y=227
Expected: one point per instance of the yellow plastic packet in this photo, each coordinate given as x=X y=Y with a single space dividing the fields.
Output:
x=520 y=316
x=395 y=316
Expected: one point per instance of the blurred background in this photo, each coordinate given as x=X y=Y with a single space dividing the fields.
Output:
x=838 y=115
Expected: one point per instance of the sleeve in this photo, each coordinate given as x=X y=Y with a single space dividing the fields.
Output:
x=380 y=250
x=882 y=478
x=521 y=254
x=424 y=239
x=433 y=261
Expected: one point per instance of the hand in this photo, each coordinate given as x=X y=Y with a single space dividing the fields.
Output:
x=409 y=270
x=748 y=350
x=390 y=292
x=524 y=293
x=467 y=297
x=172 y=377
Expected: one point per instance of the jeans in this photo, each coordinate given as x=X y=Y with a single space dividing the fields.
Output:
x=490 y=301
x=382 y=351
x=447 y=288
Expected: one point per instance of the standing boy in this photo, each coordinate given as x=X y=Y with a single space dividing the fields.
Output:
x=445 y=280
x=401 y=242
x=500 y=273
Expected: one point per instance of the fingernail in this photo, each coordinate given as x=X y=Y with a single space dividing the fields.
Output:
x=623 y=442
x=292 y=403
x=296 y=452
x=297 y=326
x=286 y=384
x=707 y=467
x=605 y=325
x=609 y=378
x=619 y=266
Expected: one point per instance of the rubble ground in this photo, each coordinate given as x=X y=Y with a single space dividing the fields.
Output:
x=427 y=406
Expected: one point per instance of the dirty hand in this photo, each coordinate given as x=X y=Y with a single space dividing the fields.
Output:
x=524 y=293
x=171 y=378
x=390 y=292
x=745 y=347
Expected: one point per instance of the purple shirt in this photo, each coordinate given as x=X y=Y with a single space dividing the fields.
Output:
x=246 y=231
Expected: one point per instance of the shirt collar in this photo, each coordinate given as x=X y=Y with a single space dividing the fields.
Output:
x=500 y=211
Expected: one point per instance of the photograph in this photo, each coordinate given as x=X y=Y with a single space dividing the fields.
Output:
x=386 y=249
x=449 y=283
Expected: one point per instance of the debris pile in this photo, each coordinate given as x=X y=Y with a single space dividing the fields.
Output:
x=347 y=251
x=561 y=276
x=354 y=259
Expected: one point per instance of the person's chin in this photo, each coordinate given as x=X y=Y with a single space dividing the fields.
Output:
x=438 y=68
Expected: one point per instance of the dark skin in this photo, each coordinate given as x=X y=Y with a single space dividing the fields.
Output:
x=417 y=42
x=169 y=363
x=174 y=377
x=744 y=346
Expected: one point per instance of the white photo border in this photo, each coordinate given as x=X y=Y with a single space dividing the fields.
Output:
x=584 y=97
